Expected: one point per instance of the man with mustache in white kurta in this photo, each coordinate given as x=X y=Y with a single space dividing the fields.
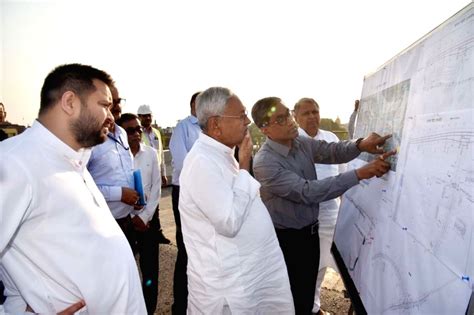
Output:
x=235 y=264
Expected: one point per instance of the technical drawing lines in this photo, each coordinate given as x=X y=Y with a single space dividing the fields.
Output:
x=408 y=303
x=463 y=138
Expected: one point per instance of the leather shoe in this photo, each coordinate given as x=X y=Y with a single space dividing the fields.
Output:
x=162 y=239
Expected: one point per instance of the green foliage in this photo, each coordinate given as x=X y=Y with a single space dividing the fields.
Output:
x=258 y=138
x=165 y=138
x=330 y=125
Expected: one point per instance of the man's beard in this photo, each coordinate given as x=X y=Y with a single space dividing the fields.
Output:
x=87 y=130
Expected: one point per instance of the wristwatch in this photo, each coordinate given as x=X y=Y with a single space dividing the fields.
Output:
x=358 y=141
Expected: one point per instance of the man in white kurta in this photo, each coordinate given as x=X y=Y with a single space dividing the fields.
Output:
x=308 y=118
x=59 y=243
x=235 y=263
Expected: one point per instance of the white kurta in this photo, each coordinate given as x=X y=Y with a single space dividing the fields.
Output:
x=58 y=240
x=328 y=211
x=234 y=258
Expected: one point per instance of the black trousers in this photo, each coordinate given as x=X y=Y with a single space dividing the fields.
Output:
x=301 y=252
x=126 y=225
x=2 y=297
x=146 y=245
x=148 y=249
x=180 y=281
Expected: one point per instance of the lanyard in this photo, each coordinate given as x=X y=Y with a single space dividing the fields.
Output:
x=119 y=141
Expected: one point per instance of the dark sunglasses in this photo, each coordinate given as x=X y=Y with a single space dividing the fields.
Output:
x=132 y=130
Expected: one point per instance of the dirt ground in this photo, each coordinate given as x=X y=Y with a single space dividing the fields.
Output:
x=333 y=291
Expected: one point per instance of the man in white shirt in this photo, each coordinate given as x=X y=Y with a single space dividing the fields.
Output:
x=59 y=243
x=307 y=116
x=235 y=264
x=145 y=222
x=184 y=135
x=152 y=137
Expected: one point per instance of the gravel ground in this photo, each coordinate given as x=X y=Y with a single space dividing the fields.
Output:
x=333 y=299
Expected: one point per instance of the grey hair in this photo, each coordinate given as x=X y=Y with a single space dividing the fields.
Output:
x=305 y=100
x=212 y=102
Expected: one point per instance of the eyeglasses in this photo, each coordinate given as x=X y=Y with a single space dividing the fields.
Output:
x=242 y=117
x=281 y=120
x=131 y=130
x=118 y=101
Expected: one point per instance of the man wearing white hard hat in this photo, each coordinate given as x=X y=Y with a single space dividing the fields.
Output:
x=152 y=137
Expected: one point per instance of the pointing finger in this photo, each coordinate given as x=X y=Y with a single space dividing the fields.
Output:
x=387 y=154
x=382 y=139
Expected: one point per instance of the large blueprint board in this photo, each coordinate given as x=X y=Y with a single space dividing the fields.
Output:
x=407 y=239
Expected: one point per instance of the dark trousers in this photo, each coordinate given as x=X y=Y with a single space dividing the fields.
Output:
x=157 y=215
x=126 y=225
x=146 y=245
x=301 y=252
x=2 y=297
x=148 y=249
x=180 y=281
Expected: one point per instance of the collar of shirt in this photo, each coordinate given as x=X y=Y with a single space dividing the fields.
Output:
x=221 y=148
x=281 y=149
x=141 y=149
x=78 y=159
x=148 y=130
x=118 y=135
x=302 y=132
x=193 y=120
x=151 y=134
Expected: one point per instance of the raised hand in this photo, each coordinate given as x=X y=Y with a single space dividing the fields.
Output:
x=245 y=152
x=373 y=143
x=377 y=167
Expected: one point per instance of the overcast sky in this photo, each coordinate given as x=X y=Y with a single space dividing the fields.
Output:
x=161 y=52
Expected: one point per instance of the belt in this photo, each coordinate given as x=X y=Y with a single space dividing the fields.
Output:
x=309 y=229
x=312 y=228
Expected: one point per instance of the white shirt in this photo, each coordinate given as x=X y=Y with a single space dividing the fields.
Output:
x=58 y=241
x=111 y=166
x=152 y=138
x=328 y=209
x=184 y=135
x=147 y=161
x=234 y=257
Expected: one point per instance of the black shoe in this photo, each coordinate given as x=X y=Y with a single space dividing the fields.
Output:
x=162 y=239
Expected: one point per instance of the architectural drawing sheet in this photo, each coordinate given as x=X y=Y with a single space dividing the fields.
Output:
x=407 y=238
